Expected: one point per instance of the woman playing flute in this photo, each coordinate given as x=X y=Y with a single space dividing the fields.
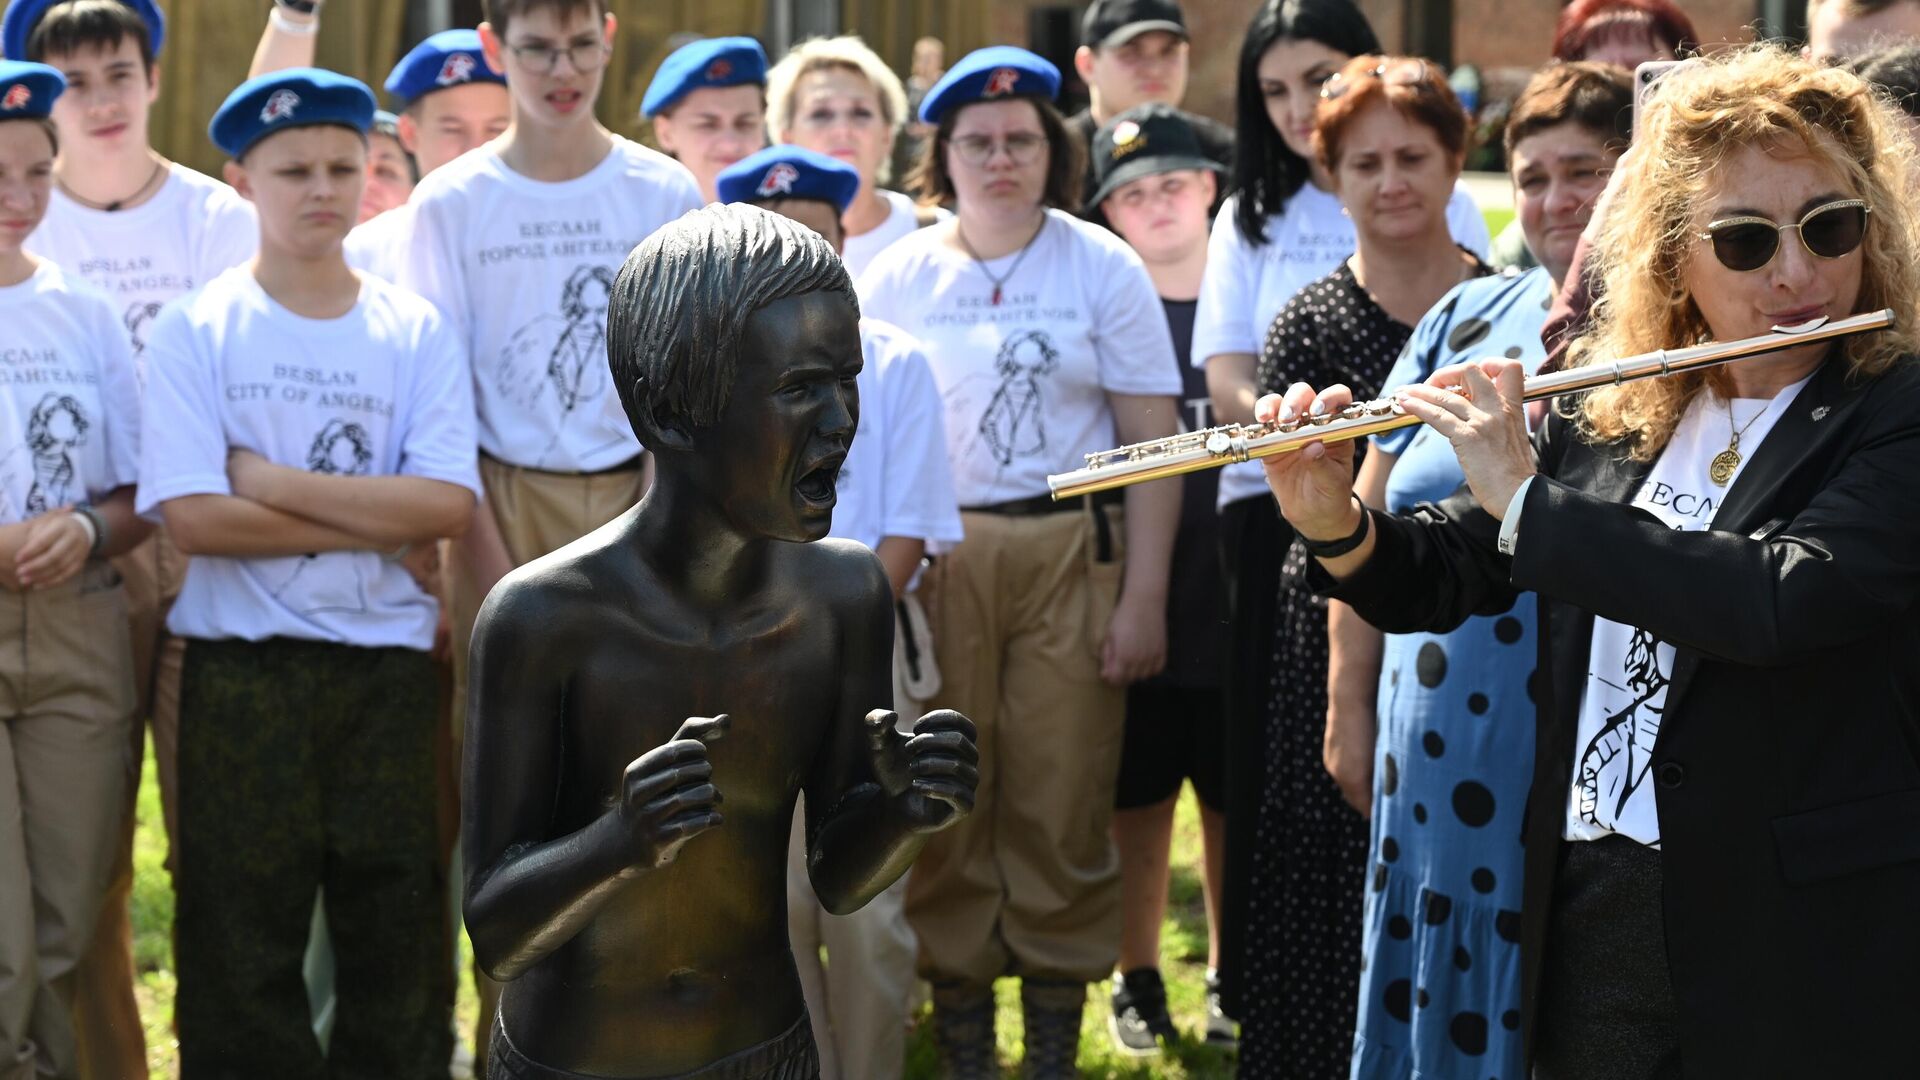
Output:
x=1727 y=573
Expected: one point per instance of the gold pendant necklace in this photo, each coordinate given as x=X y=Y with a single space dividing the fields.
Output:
x=1727 y=462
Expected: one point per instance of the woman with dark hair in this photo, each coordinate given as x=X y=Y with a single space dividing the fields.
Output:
x=1048 y=342
x=1282 y=228
x=1391 y=137
x=1624 y=33
x=1427 y=714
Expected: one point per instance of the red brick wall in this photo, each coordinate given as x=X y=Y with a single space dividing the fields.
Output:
x=1506 y=39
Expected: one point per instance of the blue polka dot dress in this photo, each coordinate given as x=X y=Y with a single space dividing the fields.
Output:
x=1301 y=947
x=1441 y=990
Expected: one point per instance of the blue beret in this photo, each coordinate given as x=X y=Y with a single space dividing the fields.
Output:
x=448 y=58
x=724 y=61
x=296 y=97
x=993 y=72
x=789 y=172
x=27 y=90
x=23 y=15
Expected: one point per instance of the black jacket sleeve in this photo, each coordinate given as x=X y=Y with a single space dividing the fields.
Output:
x=1845 y=565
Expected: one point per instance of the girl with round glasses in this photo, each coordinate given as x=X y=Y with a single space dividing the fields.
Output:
x=1721 y=865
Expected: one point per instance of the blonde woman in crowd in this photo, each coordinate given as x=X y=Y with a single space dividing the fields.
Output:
x=834 y=96
x=1721 y=869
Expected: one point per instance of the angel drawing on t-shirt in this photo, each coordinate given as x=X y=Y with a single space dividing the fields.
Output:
x=1615 y=763
x=564 y=353
x=56 y=427
x=329 y=581
x=138 y=315
x=1013 y=422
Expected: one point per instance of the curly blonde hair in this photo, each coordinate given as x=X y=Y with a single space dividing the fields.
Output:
x=1755 y=96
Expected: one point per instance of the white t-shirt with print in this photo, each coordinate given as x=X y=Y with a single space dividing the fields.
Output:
x=193 y=228
x=69 y=401
x=1628 y=668
x=523 y=269
x=378 y=245
x=379 y=391
x=1025 y=382
x=896 y=481
x=1246 y=286
x=902 y=219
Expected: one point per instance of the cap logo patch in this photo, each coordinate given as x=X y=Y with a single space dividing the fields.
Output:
x=279 y=107
x=17 y=97
x=1127 y=138
x=719 y=70
x=457 y=69
x=778 y=181
x=1002 y=81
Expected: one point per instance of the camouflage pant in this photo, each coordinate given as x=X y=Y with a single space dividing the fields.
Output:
x=305 y=764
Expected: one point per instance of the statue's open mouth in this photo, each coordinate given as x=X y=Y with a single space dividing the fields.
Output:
x=816 y=485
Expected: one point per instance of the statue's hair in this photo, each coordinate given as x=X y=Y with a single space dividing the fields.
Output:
x=682 y=299
x=1762 y=97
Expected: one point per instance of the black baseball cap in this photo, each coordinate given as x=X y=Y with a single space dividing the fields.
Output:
x=1146 y=140
x=1112 y=23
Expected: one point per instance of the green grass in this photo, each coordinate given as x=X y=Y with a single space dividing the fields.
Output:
x=1497 y=219
x=1183 y=962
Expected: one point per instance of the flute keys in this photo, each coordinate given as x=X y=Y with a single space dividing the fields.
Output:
x=1219 y=442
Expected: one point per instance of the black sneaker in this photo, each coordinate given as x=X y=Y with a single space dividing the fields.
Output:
x=1222 y=1032
x=1140 y=1017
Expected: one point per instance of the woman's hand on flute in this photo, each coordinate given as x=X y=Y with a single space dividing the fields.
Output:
x=1487 y=426
x=1315 y=485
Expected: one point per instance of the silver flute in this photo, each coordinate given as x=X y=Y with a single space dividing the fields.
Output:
x=1218 y=446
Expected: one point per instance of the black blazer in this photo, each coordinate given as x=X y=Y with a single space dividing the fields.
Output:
x=1787 y=769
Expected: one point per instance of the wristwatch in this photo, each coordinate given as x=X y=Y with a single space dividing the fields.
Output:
x=96 y=525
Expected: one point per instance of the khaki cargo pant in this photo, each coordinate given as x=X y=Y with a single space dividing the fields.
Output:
x=538 y=513
x=66 y=707
x=106 y=1015
x=861 y=998
x=1029 y=883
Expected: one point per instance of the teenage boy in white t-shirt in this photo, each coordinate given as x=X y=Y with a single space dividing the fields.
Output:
x=144 y=230
x=312 y=423
x=517 y=244
x=895 y=495
x=450 y=101
x=708 y=106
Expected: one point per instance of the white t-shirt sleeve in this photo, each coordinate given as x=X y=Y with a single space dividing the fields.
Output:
x=1466 y=223
x=431 y=265
x=919 y=499
x=1221 y=318
x=119 y=397
x=1130 y=332
x=441 y=442
x=230 y=234
x=183 y=448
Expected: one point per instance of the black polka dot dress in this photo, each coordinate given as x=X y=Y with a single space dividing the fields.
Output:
x=1301 y=953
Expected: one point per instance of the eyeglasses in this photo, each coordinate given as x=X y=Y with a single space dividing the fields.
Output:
x=1748 y=243
x=585 y=56
x=1406 y=71
x=976 y=150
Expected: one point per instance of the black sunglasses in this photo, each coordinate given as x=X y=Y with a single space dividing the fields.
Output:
x=1748 y=243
